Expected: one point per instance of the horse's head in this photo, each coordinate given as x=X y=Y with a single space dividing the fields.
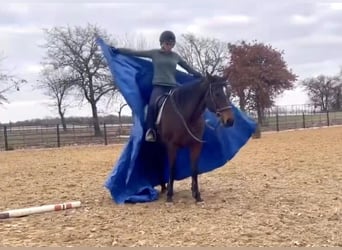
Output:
x=218 y=99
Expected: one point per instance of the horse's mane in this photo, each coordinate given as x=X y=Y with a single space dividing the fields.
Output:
x=187 y=90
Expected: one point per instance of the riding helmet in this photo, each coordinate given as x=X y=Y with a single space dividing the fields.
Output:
x=167 y=36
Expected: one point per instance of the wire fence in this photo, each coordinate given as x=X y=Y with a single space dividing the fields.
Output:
x=50 y=136
x=44 y=136
x=277 y=121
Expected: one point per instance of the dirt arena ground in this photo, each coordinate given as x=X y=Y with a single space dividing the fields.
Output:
x=284 y=189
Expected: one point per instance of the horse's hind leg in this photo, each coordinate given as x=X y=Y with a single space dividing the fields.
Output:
x=163 y=187
x=195 y=151
x=160 y=162
x=172 y=153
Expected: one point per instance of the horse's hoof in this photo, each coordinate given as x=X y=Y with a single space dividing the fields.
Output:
x=169 y=200
x=199 y=200
x=200 y=203
x=197 y=196
x=169 y=203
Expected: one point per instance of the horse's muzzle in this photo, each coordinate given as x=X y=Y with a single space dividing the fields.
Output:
x=226 y=117
x=228 y=122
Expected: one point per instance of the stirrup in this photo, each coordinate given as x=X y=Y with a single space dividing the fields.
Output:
x=150 y=135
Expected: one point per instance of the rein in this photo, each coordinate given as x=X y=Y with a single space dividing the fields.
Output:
x=182 y=118
x=218 y=111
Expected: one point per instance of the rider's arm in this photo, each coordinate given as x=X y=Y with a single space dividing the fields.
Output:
x=132 y=52
x=188 y=68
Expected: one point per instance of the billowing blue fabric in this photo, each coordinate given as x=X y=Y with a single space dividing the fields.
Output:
x=136 y=173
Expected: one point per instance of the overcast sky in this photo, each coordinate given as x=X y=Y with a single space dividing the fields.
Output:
x=310 y=33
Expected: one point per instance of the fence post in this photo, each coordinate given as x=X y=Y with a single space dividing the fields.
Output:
x=303 y=120
x=5 y=137
x=105 y=134
x=58 y=137
x=328 y=119
x=277 y=121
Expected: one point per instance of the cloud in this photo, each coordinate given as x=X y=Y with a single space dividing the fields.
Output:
x=18 y=8
x=312 y=49
x=334 y=6
x=303 y=20
x=310 y=32
x=313 y=69
x=222 y=22
x=34 y=103
x=16 y=29
x=33 y=68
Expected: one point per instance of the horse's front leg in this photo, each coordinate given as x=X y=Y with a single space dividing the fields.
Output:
x=195 y=151
x=172 y=153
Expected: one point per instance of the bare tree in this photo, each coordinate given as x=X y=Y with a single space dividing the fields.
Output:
x=8 y=82
x=128 y=40
x=337 y=98
x=76 y=48
x=336 y=103
x=132 y=40
x=122 y=105
x=58 y=84
x=204 y=54
x=322 y=90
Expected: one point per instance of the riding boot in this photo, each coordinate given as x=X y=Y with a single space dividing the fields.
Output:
x=150 y=135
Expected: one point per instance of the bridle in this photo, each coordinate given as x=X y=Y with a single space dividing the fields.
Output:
x=218 y=110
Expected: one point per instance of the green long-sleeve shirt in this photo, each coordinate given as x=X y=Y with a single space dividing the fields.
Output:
x=164 y=64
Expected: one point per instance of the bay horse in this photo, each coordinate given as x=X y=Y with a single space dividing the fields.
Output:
x=181 y=122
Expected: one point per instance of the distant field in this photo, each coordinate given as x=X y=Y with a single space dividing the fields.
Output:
x=285 y=122
x=48 y=136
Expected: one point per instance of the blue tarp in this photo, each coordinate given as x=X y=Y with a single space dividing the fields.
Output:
x=136 y=173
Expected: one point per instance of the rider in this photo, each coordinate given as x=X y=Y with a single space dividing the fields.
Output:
x=164 y=63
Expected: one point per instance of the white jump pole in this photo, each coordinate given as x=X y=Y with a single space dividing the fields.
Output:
x=40 y=209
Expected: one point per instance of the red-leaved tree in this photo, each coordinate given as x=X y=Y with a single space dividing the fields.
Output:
x=258 y=74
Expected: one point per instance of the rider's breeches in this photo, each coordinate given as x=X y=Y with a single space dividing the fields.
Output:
x=152 y=107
